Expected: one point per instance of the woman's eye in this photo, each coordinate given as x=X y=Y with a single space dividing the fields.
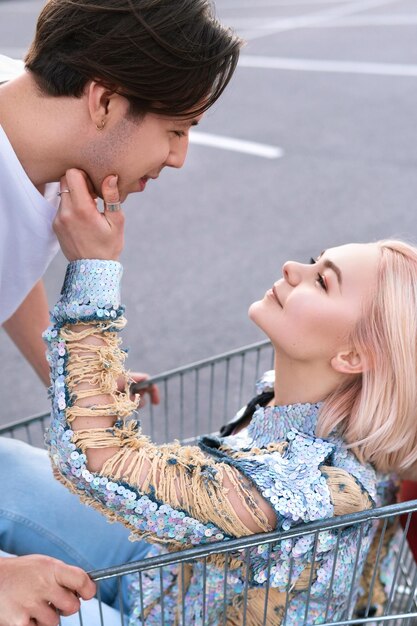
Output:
x=179 y=133
x=320 y=278
x=321 y=282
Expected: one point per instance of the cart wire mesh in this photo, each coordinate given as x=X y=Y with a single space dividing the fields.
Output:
x=198 y=399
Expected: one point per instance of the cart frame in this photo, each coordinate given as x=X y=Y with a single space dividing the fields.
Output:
x=189 y=390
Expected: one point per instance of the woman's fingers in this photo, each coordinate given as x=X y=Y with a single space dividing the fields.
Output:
x=63 y=190
x=84 y=232
x=82 y=201
x=112 y=207
x=110 y=193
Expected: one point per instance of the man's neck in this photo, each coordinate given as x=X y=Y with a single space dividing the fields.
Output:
x=37 y=127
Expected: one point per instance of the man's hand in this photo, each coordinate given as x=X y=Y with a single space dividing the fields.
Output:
x=34 y=588
x=139 y=377
x=83 y=232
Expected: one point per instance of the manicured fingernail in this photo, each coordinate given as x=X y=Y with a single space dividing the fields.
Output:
x=113 y=181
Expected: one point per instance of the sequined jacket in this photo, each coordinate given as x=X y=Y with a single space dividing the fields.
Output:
x=304 y=478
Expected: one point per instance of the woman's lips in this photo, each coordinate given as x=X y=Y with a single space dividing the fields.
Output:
x=274 y=291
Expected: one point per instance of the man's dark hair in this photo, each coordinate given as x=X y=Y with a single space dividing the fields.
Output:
x=166 y=56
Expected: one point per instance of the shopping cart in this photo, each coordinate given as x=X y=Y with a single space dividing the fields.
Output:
x=210 y=392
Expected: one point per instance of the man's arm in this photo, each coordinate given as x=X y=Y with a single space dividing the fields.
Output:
x=25 y=328
x=32 y=587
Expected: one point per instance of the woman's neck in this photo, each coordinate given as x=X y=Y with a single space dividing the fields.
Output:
x=297 y=382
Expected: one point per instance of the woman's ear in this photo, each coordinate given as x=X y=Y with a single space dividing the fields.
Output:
x=348 y=362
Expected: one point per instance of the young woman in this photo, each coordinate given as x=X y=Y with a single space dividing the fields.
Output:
x=338 y=415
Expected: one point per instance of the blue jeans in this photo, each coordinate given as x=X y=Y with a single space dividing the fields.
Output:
x=39 y=516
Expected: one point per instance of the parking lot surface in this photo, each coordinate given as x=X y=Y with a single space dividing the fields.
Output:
x=313 y=144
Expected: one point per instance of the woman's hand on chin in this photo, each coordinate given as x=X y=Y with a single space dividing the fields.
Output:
x=82 y=231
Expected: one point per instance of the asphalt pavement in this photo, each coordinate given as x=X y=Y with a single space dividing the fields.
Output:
x=313 y=144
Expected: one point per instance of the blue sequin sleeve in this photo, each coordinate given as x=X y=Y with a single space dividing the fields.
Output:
x=91 y=292
x=293 y=482
x=182 y=502
x=91 y=296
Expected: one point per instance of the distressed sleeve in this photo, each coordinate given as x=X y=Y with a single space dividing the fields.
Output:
x=179 y=495
x=172 y=494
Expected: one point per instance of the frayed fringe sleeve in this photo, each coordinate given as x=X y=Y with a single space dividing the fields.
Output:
x=171 y=494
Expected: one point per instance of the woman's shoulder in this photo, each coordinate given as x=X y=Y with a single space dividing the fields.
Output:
x=264 y=389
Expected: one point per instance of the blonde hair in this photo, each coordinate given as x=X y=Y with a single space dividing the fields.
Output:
x=376 y=412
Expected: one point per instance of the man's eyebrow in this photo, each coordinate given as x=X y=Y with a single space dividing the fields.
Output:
x=188 y=123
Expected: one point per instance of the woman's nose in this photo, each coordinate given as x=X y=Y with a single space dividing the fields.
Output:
x=292 y=272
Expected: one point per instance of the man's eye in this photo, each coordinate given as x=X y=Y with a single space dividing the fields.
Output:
x=312 y=261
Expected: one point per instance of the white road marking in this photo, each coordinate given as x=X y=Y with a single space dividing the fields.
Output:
x=22 y=6
x=354 y=21
x=240 y=4
x=342 y=67
x=236 y=145
x=371 y=20
x=13 y=52
x=304 y=21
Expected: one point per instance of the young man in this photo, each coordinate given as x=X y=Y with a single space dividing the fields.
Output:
x=111 y=88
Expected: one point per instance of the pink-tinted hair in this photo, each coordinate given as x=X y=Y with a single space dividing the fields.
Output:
x=377 y=411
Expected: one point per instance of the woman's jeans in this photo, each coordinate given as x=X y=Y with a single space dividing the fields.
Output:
x=40 y=516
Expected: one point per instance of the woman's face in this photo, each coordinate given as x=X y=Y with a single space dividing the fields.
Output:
x=309 y=313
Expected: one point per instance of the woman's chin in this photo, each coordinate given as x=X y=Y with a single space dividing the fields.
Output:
x=256 y=314
x=252 y=311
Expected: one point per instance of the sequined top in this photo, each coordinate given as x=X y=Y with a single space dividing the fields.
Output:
x=277 y=452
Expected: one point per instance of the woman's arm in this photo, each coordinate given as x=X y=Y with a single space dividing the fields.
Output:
x=101 y=451
x=171 y=493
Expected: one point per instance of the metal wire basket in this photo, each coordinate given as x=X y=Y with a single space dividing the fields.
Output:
x=211 y=391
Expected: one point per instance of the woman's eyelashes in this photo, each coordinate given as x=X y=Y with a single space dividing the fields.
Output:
x=320 y=279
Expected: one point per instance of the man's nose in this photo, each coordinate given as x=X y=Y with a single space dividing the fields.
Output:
x=176 y=158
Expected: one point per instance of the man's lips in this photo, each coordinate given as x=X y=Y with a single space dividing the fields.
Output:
x=142 y=183
x=144 y=180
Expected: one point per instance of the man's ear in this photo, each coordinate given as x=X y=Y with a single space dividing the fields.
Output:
x=348 y=362
x=99 y=99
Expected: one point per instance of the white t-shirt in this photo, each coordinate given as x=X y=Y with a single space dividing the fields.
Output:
x=27 y=241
